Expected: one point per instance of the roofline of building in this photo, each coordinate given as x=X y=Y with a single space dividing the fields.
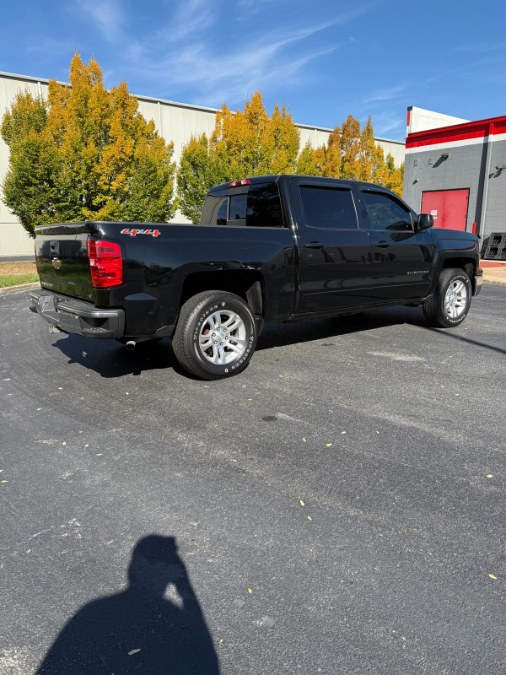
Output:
x=465 y=131
x=141 y=97
x=189 y=106
x=389 y=140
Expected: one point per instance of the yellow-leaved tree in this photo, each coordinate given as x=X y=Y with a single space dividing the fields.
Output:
x=351 y=152
x=85 y=153
x=248 y=142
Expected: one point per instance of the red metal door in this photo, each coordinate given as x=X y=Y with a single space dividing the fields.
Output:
x=448 y=207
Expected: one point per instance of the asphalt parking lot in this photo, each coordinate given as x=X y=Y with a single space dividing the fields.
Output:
x=338 y=508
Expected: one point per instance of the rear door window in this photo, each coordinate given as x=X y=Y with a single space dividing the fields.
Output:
x=329 y=207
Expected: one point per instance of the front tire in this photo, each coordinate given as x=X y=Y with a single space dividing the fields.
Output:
x=450 y=302
x=215 y=336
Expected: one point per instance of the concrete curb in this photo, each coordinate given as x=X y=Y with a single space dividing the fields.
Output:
x=19 y=287
x=497 y=282
x=494 y=273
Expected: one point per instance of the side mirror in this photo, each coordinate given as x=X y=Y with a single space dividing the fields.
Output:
x=425 y=221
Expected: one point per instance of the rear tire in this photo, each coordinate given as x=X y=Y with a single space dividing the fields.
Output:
x=215 y=336
x=450 y=302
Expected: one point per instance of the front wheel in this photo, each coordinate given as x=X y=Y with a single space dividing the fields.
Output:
x=215 y=336
x=450 y=302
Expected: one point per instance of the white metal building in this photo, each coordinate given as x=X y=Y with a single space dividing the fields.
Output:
x=176 y=122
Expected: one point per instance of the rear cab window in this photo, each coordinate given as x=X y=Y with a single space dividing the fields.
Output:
x=255 y=205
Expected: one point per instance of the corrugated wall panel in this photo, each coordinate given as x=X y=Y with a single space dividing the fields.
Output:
x=14 y=240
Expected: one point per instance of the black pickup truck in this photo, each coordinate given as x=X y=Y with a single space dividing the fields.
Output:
x=270 y=248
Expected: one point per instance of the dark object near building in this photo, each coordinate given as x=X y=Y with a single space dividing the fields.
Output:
x=496 y=246
x=271 y=248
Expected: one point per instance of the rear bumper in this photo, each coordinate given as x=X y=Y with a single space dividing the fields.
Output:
x=74 y=316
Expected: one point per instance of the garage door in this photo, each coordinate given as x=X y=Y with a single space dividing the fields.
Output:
x=449 y=208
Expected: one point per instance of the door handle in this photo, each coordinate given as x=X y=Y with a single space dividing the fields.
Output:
x=382 y=244
x=314 y=244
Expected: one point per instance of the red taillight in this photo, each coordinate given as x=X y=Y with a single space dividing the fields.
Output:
x=106 y=263
x=239 y=182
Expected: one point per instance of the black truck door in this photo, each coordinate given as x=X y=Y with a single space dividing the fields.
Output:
x=335 y=270
x=402 y=258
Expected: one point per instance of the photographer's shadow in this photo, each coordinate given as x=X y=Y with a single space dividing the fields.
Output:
x=138 y=630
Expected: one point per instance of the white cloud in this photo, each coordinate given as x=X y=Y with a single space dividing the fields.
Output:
x=178 y=56
x=107 y=15
x=386 y=94
x=249 y=5
x=190 y=18
x=480 y=47
x=385 y=123
x=216 y=78
x=51 y=47
x=185 y=53
x=463 y=70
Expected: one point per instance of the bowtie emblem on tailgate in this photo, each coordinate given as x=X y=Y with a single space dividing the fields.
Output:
x=54 y=251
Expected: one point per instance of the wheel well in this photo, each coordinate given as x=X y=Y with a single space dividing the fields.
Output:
x=248 y=285
x=463 y=263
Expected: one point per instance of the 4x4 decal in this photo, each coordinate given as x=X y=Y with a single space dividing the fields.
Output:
x=133 y=232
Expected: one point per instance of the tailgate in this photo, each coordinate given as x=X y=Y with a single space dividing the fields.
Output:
x=62 y=259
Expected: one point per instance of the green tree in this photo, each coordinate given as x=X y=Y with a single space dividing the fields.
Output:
x=198 y=171
x=308 y=162
x=85 y=153
x=29 y=187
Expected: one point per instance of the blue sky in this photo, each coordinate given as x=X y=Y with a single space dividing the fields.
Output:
x=323 y=59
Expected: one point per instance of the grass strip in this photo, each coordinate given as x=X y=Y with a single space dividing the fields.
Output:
x=16 y=279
